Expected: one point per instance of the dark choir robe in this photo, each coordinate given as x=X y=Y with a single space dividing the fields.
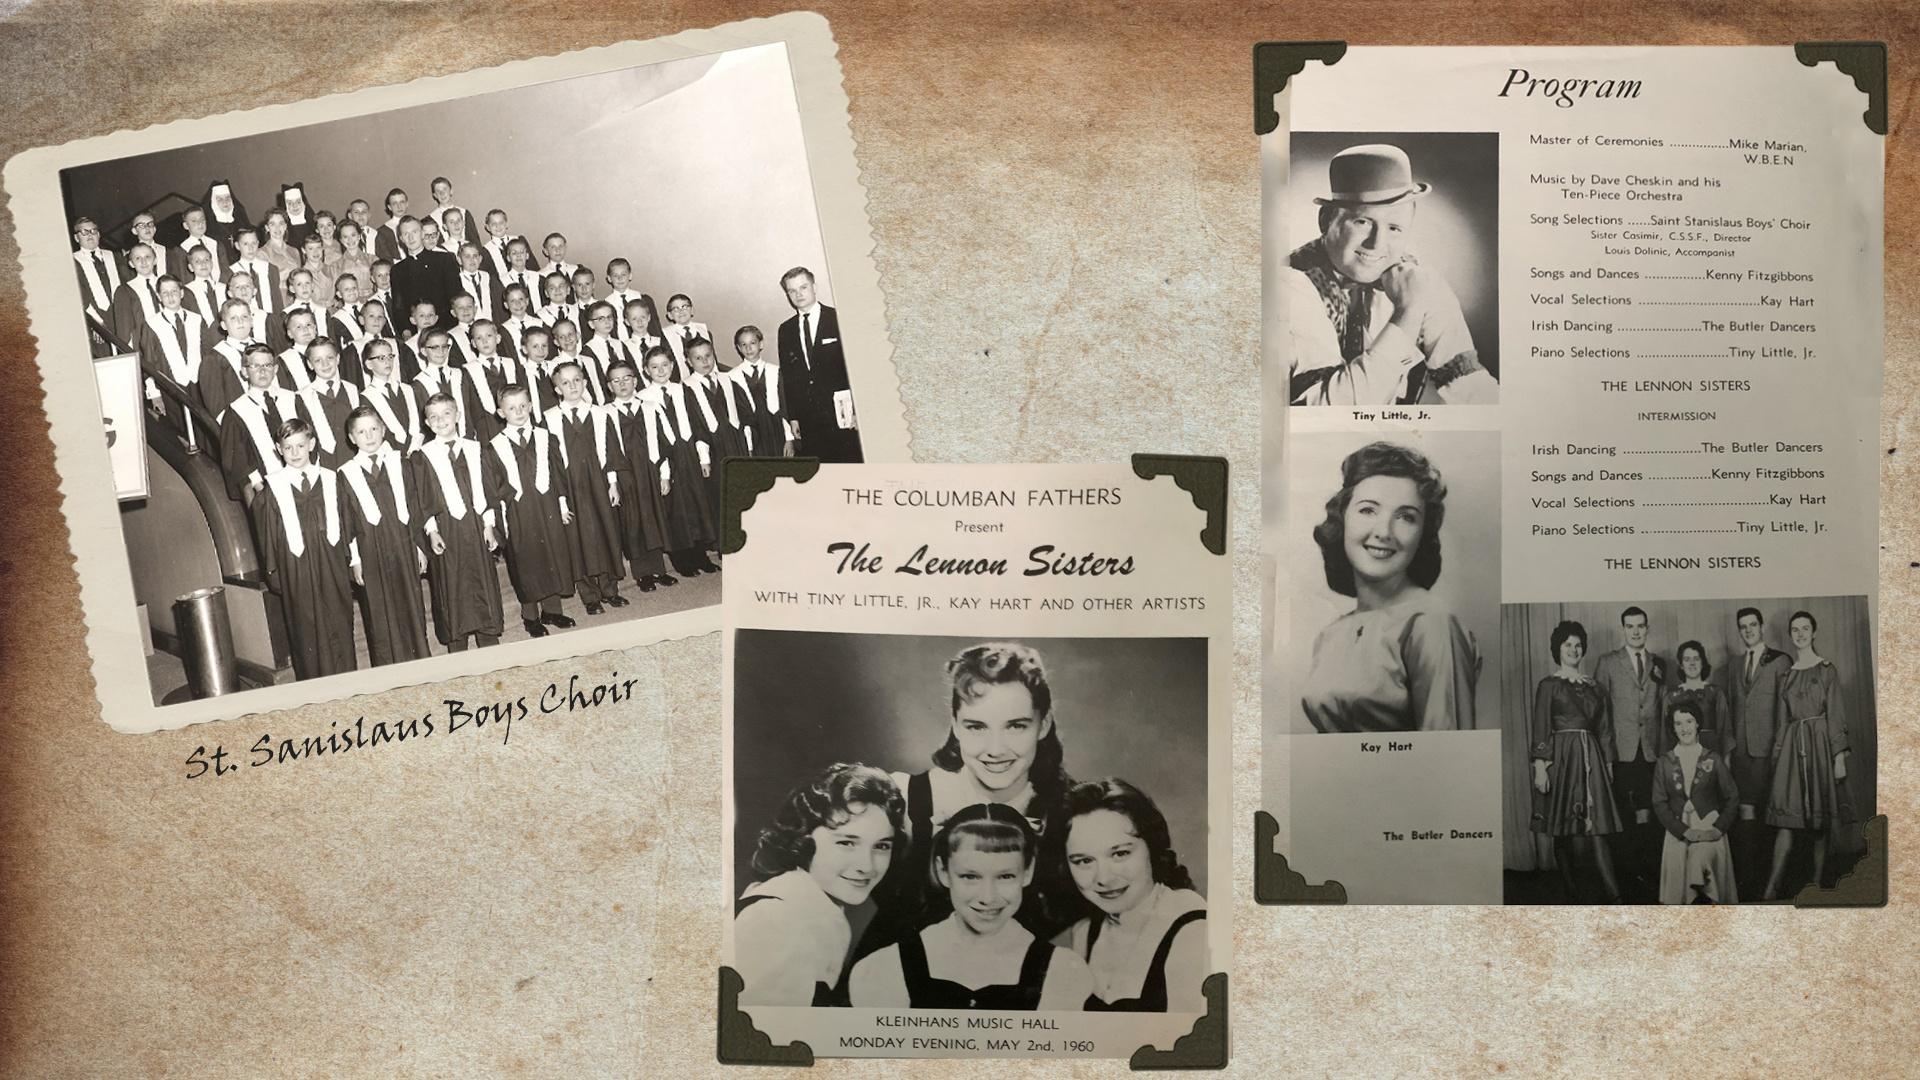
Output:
x=513 y=334
x=690 y=517
x=642 y=510
x=326 y=408
x=266 y=282
x=529 y=483
x=133 y=301
x=293 y=373
x=769 y=420
x=469 y=232
x=204 y=296
x=491 y=376
x=620 y=298
x=590 y=451
x=810 y=374
x=496 y=251
x=679 y=337
x=99 y=278
x=453 y=382
x=386 y=240
x=249 y=437
x=529 y=278
x=303 y=547
x=382 y=513
x=718 y=424
x=489 y=296
x=455 y=505
x=272 y=329
x=177 y=257
x=461 y=352
x=220 y=378
x=178 y=340
x=605 y=351
x=399 y=407
x=546 y=397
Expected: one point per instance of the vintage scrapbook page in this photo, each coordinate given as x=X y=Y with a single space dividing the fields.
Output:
x=1573 y=362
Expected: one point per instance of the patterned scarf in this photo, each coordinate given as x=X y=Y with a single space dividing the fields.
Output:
x=1349 y=304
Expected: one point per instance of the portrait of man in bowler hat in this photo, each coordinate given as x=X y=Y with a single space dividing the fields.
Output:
x=1369 y=323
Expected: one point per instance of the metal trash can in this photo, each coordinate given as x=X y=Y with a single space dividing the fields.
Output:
x=206 y=642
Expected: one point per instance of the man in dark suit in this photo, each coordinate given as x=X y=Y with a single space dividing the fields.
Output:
x=424 y=275
x=813 y=370
x=1753 y=690
x=1633 y=680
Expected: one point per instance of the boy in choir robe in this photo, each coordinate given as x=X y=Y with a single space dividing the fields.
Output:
x=457 y=518
x=266 y=328
x=249 y=452
x=529 y=484
x=558 y=304
x=302 y=297
x=590 y=451
x=582 y=283
x=135 y=299
x=603 y=346
x=343 y=322
x=204 y=293
x=642 y=323
x=326 y=402
x=302 y=330
x=174 y=335
x=566 y=350
x=380 y=286
x=178 y=256
x=453 y=232
x=266 y=276
x=223 y=368
x=722 y=415
x=386 y=239
x=144 y=229
x=620 y=294
x=373 y=327
x=689 y=517
x=771 y=435
x=424 y=318
x=491 y=375
x=479 y=283
x=495 y=245
x=554 y=247
x=454 y=220
x=520 y=319
x=382 y=512
x=392 y=398
x=522 y=271
x=99 y=273
x=464 y=312
x=539 y=368
x=681 y=330
x=303 y=549
x=647 y=475
x=437 y=376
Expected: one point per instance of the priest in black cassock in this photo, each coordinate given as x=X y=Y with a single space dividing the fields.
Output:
x=424 y=275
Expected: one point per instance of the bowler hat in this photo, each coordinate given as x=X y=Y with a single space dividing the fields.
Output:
x=1371 y=175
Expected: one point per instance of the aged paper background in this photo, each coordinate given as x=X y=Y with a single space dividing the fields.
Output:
x=1066 y=206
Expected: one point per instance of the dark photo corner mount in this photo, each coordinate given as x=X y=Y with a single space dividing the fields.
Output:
x=1863 y=61
x=742 y=480
x=1274 y=62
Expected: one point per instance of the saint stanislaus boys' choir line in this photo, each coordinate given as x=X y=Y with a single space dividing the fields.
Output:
x=494 y=428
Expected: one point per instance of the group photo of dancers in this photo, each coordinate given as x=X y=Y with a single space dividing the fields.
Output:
x=957 y=824
x=1686 y=752
x=449 y=420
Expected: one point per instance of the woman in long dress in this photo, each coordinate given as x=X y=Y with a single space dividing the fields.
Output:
x=1571 y=729
x=829 y=845
x=1809 y=755
x=1695 y=798
x=1144 y=938
x=1400 y=660
x=978 y=957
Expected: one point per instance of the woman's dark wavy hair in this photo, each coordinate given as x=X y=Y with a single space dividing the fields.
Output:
x=1567 y=630
x=787 y=844
x=989 y=827
x=1691 y=708
x=1680 y=656
x=1149 y=824
x=1384 y=459
x=995 y=663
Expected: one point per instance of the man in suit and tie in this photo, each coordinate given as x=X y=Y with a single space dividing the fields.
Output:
x=1633 y=681
x=1754 y=693
x=424 y=275
x=813 y=371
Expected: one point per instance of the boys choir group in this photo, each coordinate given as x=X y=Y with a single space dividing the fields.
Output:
x=577 y=438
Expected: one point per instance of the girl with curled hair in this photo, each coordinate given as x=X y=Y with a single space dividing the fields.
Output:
x=1002 y=746
x=1400 y=660
x=1141 y=936
x=830 y=843
x=979 y=957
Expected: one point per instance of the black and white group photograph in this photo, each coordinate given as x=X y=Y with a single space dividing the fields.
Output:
x=1686 y=752
x=460 y=374
x=956 y=823
x=1390 y=559
x=1392 y=281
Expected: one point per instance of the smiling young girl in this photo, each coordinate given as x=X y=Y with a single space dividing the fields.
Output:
x=979 y=957
x=1145 y=939
x=829 y=845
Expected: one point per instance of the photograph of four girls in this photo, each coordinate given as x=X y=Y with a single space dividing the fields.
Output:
x=995 y=878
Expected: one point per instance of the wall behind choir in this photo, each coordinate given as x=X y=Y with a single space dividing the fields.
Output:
x=694 y=170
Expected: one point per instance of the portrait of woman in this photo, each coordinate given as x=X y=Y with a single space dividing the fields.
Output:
x=327 y=227
x=1002 y=746
x=978 y=957
x=830 y=844
x=1572 y=778
x=1708 y=702
x=353 y=256
x=276 y=249
x=1143 y=936
x=1809 y=755
x=1695 y=798
x=1399 y=660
